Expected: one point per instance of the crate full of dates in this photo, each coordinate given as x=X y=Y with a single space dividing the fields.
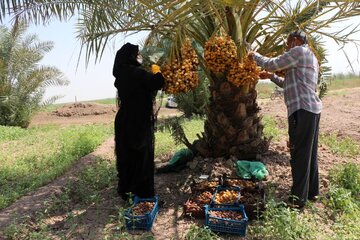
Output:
x=238 y=182
x=226 y=196
x=142 y=214
x=226 y=219
x=195 y=206
x=204 y=185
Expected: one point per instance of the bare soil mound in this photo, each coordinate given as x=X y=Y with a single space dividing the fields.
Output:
x=84 y=109
x=86 y=113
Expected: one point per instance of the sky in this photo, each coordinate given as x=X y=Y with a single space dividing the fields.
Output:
x=86 y=83
x=96 y=81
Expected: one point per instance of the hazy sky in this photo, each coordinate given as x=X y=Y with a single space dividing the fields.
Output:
x=96 y=81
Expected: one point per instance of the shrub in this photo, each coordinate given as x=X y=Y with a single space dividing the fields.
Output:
x=346 y=147
x=195 y=102
x=22 y=80
x=280 y=222
x=197 y=233
x=340 y=200
x=347 y=176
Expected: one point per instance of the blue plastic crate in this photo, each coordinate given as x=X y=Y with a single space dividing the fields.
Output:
x=141 y=222
x=223 y=188
x=217 y=224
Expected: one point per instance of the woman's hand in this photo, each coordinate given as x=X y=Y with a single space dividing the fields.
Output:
x=265 y=75
x=250 y=55
x=155 y=69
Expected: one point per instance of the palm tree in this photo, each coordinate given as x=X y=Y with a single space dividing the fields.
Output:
x=233 y=124
x=22 y=80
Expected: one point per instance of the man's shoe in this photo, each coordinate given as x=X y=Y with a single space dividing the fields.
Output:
x=313 y=198
x=295 y=206
x=294 y=202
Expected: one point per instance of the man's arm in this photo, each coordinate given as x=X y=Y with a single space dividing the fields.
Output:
x=285 y=61
x=273 y=77
x=277 y=80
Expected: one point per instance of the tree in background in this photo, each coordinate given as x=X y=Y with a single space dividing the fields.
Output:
x=22 y=80
x=233 y=121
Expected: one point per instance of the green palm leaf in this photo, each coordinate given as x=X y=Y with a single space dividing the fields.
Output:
x=22 y=80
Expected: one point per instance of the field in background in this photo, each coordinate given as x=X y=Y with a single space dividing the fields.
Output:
x=341 y=83
x=104 y=101
x=265 y=88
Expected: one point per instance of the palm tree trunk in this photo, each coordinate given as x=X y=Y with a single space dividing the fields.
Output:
x=233 y=124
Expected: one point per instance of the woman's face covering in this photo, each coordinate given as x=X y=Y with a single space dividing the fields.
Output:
x=139 y=59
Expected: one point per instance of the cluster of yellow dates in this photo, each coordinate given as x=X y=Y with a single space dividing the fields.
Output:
x=204 y=198
x=221 y=57
x=240 y=183
x=182 y=76
x=226 y=197
x=142 y=208
x=220 y=53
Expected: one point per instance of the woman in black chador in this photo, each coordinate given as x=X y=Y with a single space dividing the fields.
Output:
x=134 y=123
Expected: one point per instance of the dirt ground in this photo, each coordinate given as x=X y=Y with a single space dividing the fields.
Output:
x=85 y=113
x=340 y=115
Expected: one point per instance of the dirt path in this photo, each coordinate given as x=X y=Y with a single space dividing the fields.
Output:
x=340 y=115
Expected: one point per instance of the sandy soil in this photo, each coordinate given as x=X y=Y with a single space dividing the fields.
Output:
x=340 y=115
x=85 y=113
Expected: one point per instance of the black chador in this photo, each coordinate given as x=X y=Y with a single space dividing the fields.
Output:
x=134 y=123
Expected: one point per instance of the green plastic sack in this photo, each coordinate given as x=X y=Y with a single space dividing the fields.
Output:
x=183 y=154
x=243 y=169
x=177 y=162
x=250 y=169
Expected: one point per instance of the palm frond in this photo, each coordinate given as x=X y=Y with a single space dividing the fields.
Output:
x=22 y=80
x=50 y=101
x=44 y=77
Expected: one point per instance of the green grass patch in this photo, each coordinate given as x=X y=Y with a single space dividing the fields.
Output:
x=346 y=227
x=166 y=144
x=271 y=129
x=78 y=194
x=343 y=83
x=343 y=201
x=264 y=89
x=86 y=189
x=12 y=133
x=346 y=176
x=340 y=213
x=341 y=92
x=196 y=233
x=339 y=200
x=24 y=231
x=110 y=101
x=32 y=160
x=346 y=147
x=8 y=134
x=52 y=107
x=280 y=222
